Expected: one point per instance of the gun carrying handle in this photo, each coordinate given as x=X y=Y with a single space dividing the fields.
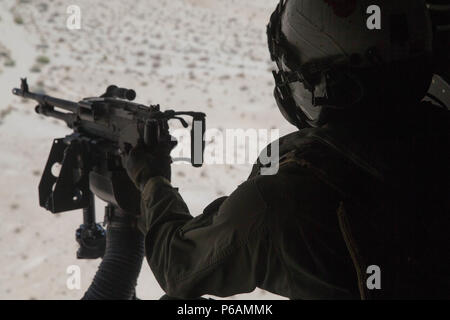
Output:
x=198 y=140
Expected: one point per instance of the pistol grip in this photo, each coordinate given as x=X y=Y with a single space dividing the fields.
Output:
x=152 y=133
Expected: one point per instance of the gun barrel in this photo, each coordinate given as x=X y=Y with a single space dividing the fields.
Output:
x=47 y=100
x=68 y=118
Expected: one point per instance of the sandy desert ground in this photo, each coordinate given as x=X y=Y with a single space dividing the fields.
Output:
x=205 y=55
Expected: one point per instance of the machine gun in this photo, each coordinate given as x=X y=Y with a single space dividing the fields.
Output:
x=89 y=159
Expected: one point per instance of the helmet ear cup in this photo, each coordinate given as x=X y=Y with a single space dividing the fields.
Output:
x=344 y=88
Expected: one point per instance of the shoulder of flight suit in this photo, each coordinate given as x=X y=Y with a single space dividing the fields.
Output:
x=272 y=232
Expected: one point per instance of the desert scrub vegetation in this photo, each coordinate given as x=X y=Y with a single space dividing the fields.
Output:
x=18 y=19
x=42 y=59
x=5 y=56
x=35 y=69
x=9 y=62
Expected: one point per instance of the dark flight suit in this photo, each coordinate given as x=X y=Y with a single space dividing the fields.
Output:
x=310 y=231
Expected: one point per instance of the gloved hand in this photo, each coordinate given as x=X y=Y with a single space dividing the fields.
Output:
x=143 y=163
